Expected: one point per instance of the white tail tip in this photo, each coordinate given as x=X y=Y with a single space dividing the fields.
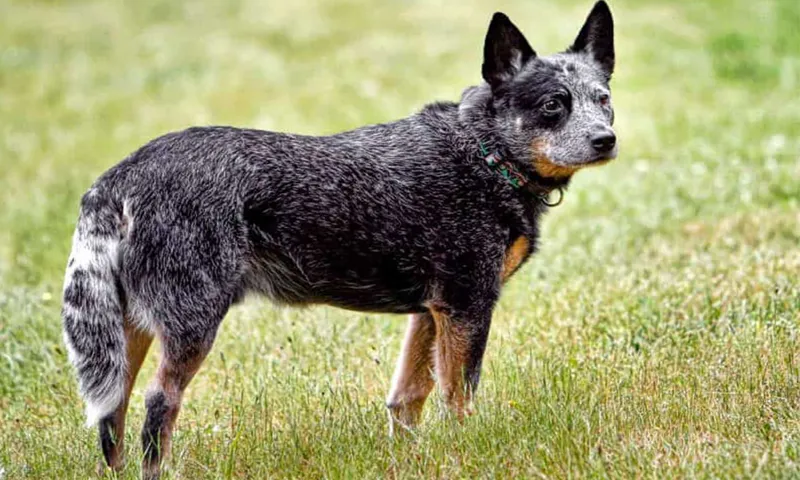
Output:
x=99 y=409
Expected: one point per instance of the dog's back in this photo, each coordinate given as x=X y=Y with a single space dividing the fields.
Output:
x=360 y=220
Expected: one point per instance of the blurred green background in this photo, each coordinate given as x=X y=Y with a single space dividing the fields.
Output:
x=655 y=334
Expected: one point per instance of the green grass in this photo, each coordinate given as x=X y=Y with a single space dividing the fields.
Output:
x=656 y=335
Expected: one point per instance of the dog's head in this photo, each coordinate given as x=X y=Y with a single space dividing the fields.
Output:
x=555 y=110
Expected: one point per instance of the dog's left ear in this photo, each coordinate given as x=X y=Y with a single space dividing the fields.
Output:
x=505 y=51
x=597 y=37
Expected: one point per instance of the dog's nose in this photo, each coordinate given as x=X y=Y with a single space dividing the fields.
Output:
x=604 y=142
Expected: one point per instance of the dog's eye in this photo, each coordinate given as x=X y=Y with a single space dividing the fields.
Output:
x=551 y=106
x=604 y=99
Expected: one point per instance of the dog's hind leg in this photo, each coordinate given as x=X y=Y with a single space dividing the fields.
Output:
x=413 y=375
x=112 y=427
x=184 y=347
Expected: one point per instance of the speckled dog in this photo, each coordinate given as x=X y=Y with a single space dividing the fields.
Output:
x=428 y=216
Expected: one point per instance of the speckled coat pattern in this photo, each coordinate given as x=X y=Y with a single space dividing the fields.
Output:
x=403 y=217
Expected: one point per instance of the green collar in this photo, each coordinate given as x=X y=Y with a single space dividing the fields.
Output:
x=517 y=179
x=496 y=162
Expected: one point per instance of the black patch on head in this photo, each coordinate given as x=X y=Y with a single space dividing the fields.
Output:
x=505 y=51
x=597 y=37
x=541 y=82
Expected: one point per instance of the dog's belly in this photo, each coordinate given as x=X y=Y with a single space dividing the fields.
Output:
x=367 y=287
x=371 y=298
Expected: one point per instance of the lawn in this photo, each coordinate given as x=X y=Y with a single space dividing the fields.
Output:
x=656 y=334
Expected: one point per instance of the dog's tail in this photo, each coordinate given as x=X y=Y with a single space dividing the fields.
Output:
x=93 y=306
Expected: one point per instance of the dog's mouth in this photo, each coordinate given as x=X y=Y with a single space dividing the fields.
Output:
x=551 y=169
x=600 y=159
x=548 y=168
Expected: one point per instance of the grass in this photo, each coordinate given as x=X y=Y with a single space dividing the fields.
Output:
x=654 y=336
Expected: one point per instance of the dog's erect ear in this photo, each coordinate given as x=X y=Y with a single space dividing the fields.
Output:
x=505 y=51
x=597 y=37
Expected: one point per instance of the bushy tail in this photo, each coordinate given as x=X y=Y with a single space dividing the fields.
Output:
x=92 y=311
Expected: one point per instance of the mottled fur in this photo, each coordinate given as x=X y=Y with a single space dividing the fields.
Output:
x=404 y=217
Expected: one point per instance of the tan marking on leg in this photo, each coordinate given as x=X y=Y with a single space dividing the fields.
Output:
x=544 y=166
x=450 y=359
x=171 y=379
x=412 y=380
x=515 y=255
x=137 y=343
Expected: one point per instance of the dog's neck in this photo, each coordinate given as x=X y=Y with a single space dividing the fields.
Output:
x=478 y=123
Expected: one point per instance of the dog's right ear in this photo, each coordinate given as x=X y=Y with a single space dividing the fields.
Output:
x=505 y=51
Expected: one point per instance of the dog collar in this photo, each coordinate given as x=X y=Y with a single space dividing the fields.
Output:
x=506 y=169
x=517 y=179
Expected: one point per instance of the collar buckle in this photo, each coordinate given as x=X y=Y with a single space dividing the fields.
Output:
x=545 y=198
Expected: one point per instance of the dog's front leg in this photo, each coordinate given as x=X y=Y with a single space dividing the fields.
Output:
x=460 y=343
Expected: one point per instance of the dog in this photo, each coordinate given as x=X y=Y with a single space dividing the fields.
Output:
x=427 y=216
